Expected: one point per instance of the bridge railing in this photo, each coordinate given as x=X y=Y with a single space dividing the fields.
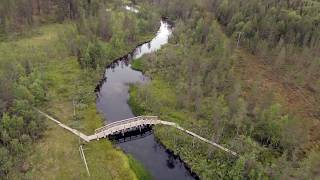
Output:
x=125 y=121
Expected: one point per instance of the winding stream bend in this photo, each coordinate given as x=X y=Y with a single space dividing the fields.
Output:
x=112 y=101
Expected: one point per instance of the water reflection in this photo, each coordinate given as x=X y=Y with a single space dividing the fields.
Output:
x=132 y=135
x=112 y=103
x=156 y=43
x=132 y=9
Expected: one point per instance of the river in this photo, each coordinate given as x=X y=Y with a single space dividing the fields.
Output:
x=112 y=102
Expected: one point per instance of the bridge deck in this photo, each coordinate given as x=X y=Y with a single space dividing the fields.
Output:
x=125 y=121
x=129 y=124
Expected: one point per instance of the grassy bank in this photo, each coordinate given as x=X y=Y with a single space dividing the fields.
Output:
x=139 y=169
x=137 y=64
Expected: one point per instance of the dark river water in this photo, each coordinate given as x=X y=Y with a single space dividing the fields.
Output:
x=112 y=102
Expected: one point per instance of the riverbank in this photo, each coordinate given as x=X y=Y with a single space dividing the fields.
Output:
x=112 y=102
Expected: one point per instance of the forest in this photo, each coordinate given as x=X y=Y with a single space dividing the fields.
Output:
x=198 y=82
x=242 y=73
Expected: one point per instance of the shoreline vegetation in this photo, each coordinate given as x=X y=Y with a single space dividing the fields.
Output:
x=138 y=168
x=137 y=65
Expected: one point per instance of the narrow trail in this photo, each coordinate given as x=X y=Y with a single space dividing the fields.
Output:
x=74 y=131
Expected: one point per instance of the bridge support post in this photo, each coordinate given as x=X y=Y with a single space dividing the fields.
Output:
x=83 y=157
x=193 y=142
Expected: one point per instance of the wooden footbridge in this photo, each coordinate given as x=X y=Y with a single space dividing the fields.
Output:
x=129 y=125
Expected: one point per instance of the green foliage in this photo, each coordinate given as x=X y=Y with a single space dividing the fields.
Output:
x=281 y=31
x=187 y=77
x=93 y=55
x=282 y=132
x=137 y=64
x=268 y=129
x=98 y=39
x=22 y=87
x=193 y=84
x=139 y=170
x=17 y=17
x=37 y=68
x=5 y=160
x=16 y=138
x=309 y=168
x=136 y=108
x=156 y=97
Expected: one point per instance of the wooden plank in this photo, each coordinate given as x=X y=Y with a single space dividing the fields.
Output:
x=122 y=125
x=83 y=157
x=144 y=121
x=74 y=131
x=207 y=141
